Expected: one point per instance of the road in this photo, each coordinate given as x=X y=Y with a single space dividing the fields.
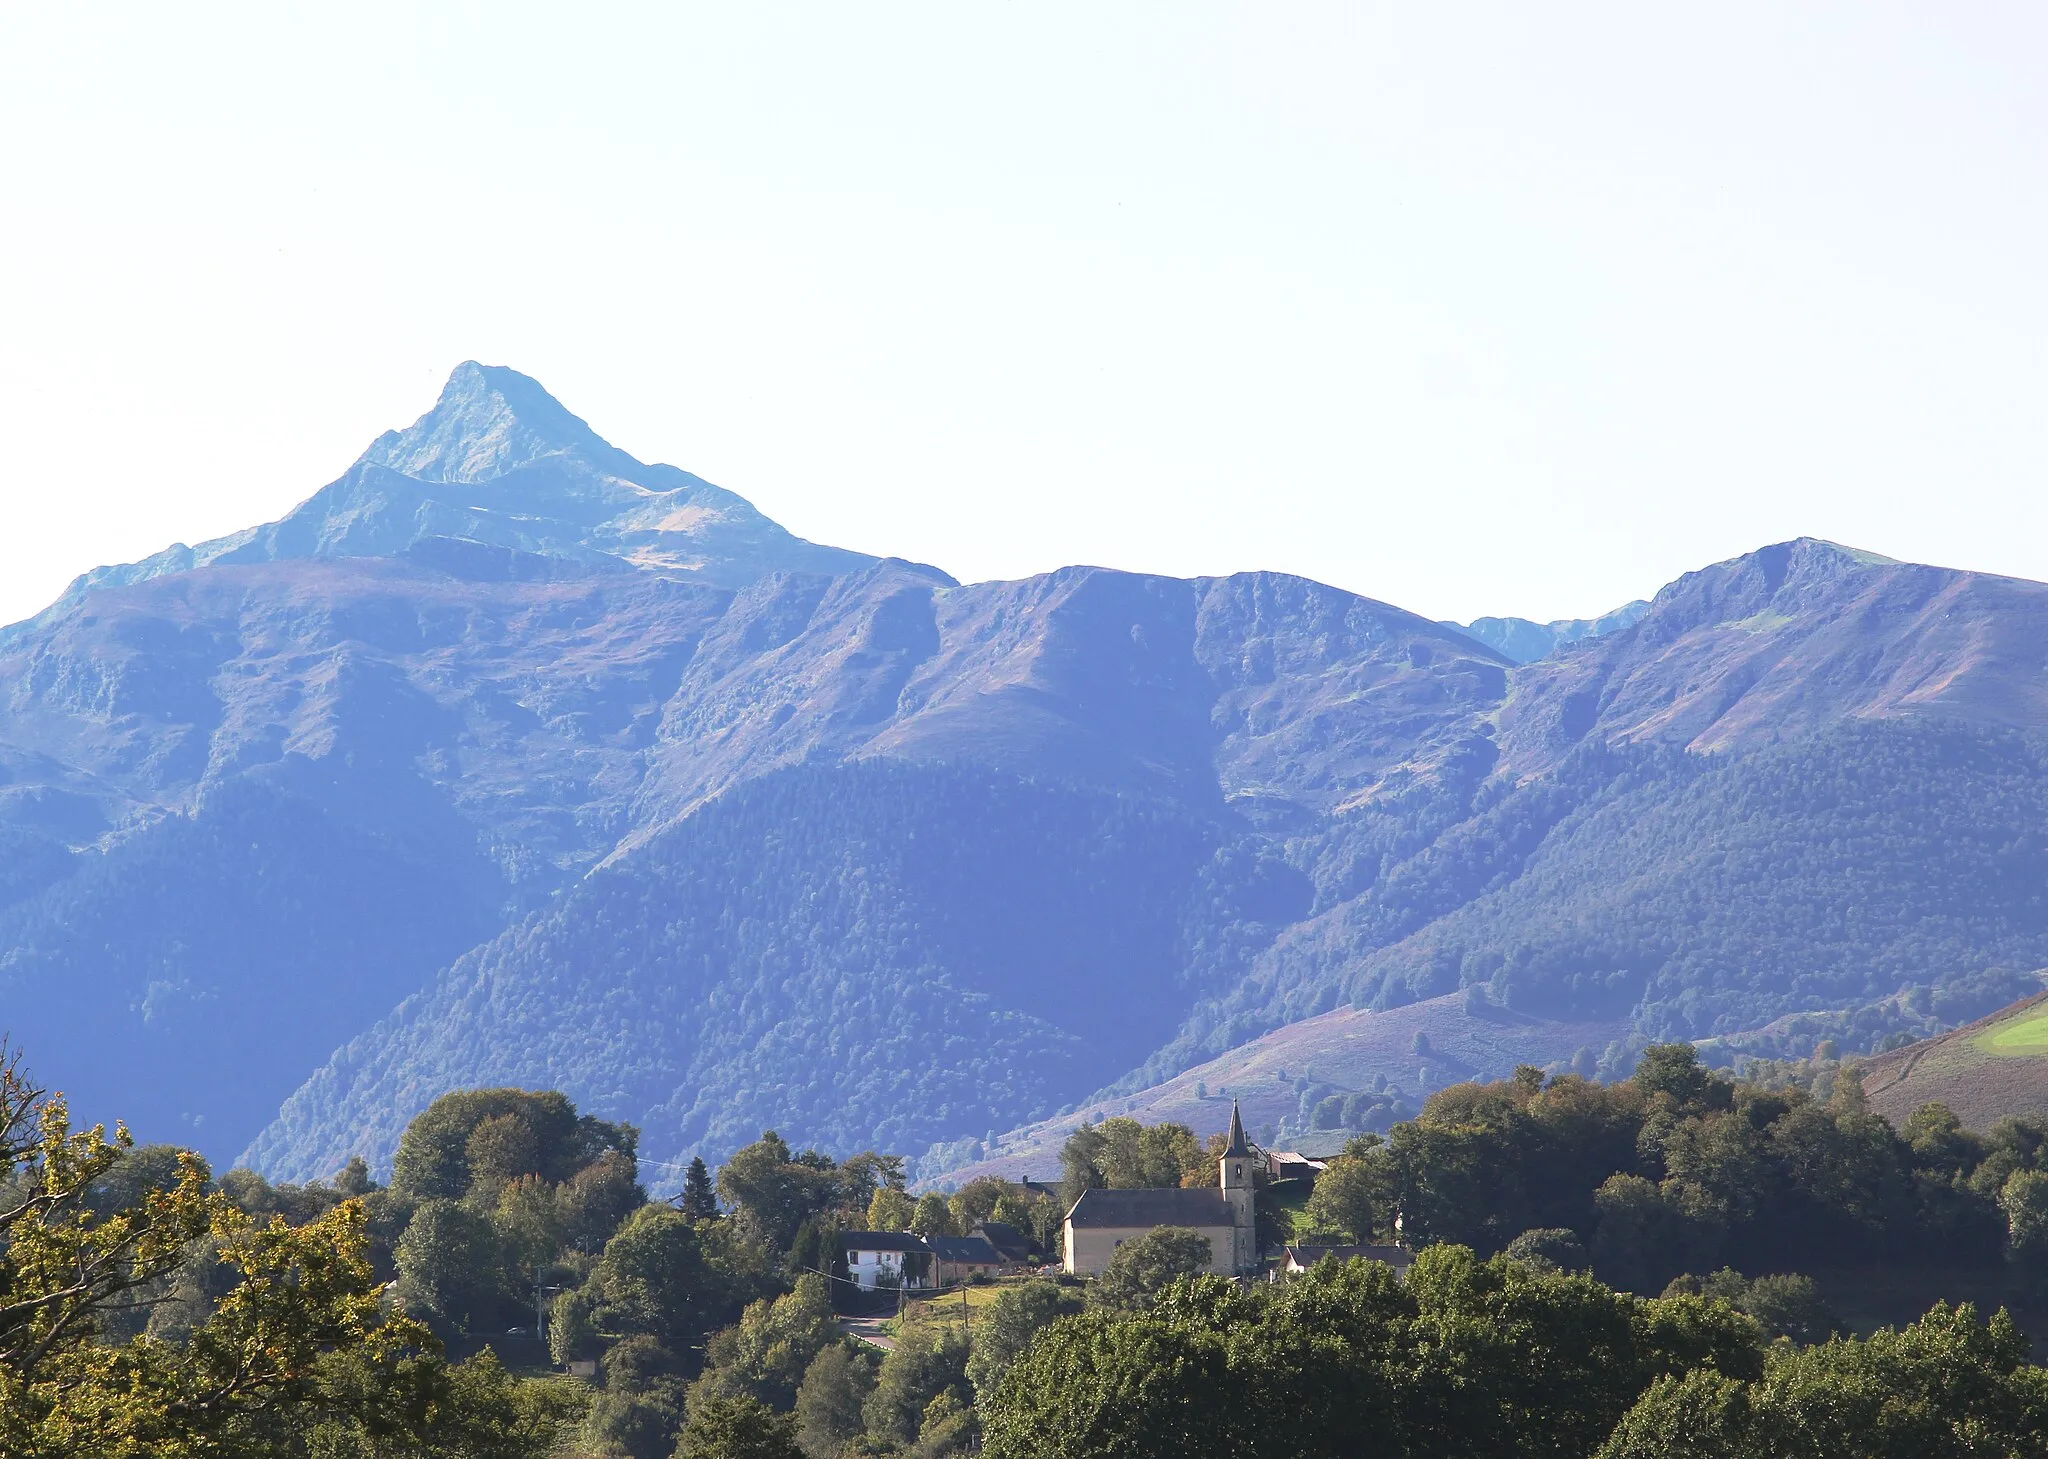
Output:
x=868 y=1330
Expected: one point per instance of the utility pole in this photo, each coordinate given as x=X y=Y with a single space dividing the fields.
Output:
x=540 y=1308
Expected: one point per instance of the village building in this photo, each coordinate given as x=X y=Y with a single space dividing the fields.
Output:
x=1011 y=1245
x=886 y=1259
x=960 y=1257
x=1292 y=1165
x=1103 y=1220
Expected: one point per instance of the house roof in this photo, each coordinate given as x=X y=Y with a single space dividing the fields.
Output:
x=882 y=1241
x=1148 y=1208
x=970 y=1249
x=1010 y=1243
x=1393 y=1256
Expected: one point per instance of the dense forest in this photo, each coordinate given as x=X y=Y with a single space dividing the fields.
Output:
x=1879 y=879
x=853 y=951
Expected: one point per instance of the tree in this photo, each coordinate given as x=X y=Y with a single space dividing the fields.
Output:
x=772 y=1192
x=1352 y=1197
x=767 y=1354
x=1006 y=1328
x=293 y=1358
x=1122 y=1154
x=1944 y=1388
x=360 y=1405
x=1461 y=1357
x=1147 y=1265
x=499 y=1150
x=530 y=1230
x=932 y=1216
x=2024 y=1200
x=699 y=1202
x=653 y=1279
x=1640 y=1240
x=1105 y=1386
x=890 y=1210
x=1551 y=1248
x=450 y=1265
x=534 y=1133
x=640 y=1411
x=829 y=1400
x=929 y=1359
x=738 y=1428
x=598 y=1197
x=860 y=1176
x=1784 y=1304
x=1674 y=1070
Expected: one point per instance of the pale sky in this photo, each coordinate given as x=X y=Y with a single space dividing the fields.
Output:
x=1478 y=309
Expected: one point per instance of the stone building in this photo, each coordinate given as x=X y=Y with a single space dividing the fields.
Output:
x=1103 y=1220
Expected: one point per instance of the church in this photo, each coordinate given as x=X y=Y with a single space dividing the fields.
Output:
x=1103 y=1220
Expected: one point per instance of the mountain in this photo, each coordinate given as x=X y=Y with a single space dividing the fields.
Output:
x=1786 y=641
x=254 y=804
x=1098 y=702
x=500 y=463
x=506 y=758
x=1524 y=641
x=1985 y=1071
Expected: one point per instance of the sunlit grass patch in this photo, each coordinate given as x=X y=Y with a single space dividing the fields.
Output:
x=2027 y=1034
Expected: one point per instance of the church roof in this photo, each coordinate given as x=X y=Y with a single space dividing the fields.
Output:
x=1238 y=1145
x=1149 y=1208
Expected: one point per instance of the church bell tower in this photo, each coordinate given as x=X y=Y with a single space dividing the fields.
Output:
x=1235 y=1178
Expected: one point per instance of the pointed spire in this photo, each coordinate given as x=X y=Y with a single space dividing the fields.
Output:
x=1238 y=1144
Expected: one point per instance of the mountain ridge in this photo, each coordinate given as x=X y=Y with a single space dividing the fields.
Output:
x=469 y=769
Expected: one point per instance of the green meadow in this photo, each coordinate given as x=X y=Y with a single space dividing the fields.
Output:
x=2027 y=1034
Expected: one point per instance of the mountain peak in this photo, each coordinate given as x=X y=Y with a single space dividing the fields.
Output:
x=488 y=420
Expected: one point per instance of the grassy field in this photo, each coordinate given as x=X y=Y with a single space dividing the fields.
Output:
x=1989 y=1069
x=2026 y=1034
x=949 y=1309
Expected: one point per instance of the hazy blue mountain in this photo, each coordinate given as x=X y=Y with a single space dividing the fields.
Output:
x=251 y=805
x=509 y=758
x=1524 y=641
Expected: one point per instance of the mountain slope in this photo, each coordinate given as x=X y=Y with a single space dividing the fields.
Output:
x=1786 y=641
x=1985 y=1071
x=1258 y=700
x=859 y=952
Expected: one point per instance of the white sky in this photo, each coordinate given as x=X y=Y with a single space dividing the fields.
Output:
x=1478 y=309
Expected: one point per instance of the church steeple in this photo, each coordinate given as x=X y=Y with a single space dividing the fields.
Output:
x=1235 y=1176
x=1238 y=1144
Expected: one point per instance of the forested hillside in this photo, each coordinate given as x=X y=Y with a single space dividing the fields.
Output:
x=860 y=951
x=1885 y=873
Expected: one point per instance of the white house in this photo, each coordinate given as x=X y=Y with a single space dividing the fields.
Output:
x=886 y=1259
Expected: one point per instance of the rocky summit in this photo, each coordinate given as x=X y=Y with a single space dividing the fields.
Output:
x=506 y=758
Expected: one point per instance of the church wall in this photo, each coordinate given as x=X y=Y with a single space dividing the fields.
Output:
x=1090 y=1247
